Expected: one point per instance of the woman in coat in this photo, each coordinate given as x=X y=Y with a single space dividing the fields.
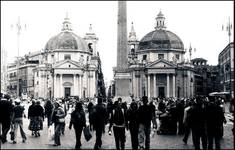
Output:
x=78 y=120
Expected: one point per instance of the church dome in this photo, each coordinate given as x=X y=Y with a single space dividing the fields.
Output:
x=160 y=38
x=66 y=40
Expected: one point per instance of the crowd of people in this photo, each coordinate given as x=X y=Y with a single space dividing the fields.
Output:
x=203 y=116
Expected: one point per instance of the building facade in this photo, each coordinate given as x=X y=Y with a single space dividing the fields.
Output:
x=67 y=66
x=157 y=64
x=3 y=71
x=226 y=69
x=206 y=77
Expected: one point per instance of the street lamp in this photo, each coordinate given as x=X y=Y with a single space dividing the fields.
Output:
x=191 y=80
x=228 y=28
x=19 y=28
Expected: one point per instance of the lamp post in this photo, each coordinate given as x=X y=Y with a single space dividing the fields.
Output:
x=19 y=28
x=228 y=29
x=190 y=55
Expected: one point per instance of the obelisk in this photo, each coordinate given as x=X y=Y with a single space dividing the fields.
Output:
x=121 y=74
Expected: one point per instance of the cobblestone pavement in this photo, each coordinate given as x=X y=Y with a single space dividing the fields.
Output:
x=68 y=140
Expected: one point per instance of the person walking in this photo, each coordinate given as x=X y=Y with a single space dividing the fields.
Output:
x=58 y=120
x=100 y=119
x=198 y=124
x=90 y=108
x=49 y=107
x=6 y=110
x=31 y=117
x=119 y=121
x=63 y=104
x=215 y=118
x=145 y=117
x=18 y=114
x=180 y=115
x=133 y=124
x=187 y=127
x=154 y=118
x=39 y=118
x=78 y=121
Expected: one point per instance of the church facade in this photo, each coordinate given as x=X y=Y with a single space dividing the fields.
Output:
x=157 y=64
x=68 y=66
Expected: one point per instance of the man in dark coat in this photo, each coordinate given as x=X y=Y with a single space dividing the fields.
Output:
x=119 y=121
x=6 y=109
x=31 y=116
x=49 y=107
x=100 y=119
x=145 y=116
x=39 y=117
x=198 y=124
x=133 y=124
x=215 y=118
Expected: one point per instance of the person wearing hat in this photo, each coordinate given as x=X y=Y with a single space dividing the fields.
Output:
x=18 y=113
x=145 y=117
x=6 y=110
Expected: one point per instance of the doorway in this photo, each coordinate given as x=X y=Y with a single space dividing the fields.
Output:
x=161 y=91
x=67 y=92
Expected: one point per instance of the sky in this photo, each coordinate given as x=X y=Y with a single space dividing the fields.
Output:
x=198 y=23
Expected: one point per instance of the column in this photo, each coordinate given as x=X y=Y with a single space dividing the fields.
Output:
x=78 y=86
x=148 y=85
x=61 y=86
x=173 y=88
x=167 y=86
x=81 y=88
x=154 y=85
x=54 y=87
x=74 y=84
x=137 y=87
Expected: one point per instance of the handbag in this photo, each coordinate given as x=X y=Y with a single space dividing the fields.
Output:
x=87 y=134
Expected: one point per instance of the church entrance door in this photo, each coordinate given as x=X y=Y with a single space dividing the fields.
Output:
x=67 y=92
x=161 y=91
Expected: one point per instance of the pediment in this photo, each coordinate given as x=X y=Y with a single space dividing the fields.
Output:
x=67 y=64
x=161 y=64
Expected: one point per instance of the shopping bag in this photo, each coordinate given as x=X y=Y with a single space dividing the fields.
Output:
x=50 y=133
x=87 y=133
